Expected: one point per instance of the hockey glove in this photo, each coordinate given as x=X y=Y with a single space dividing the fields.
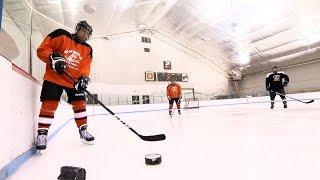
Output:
x=82 y=84
x=285 y=84
x=267 y=88
x=169 y=98
x=58 y=62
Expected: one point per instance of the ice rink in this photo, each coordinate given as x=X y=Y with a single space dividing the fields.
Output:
x=228 y=57
x=225 y=142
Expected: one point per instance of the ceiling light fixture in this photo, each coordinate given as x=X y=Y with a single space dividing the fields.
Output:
x=89 y=8
x=211 y=10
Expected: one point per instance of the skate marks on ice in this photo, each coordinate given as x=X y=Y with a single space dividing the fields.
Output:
x=252 y=141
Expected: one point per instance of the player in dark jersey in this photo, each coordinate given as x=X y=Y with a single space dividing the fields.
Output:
x=275 y=82
x=65 y=52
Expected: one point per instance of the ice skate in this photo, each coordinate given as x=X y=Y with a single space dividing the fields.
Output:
x=272 y=106
x=285 y=105
x=41 y=141
x=85 y=136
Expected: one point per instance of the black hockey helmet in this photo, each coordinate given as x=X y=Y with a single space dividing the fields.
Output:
x=85 y=25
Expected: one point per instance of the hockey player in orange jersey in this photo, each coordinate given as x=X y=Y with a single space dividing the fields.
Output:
x=174 y=95
x=63 y=51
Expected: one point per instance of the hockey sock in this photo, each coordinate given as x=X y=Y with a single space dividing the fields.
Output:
x=80 y=114
x=46 y=115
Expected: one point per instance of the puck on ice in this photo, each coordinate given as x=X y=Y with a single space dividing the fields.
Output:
x=153 y=159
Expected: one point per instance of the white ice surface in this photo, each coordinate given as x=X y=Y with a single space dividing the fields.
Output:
x=230 y=142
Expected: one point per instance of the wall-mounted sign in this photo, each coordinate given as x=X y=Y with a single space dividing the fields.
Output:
x=167 y=65
x=150 y=76
x=185 y=78
x=165 y=76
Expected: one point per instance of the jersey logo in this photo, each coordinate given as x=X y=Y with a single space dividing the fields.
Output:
x=73 y=58
x=276 y=77
x=174 y=89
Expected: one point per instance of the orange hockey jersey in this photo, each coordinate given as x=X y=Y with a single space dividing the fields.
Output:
x=78 y=56
x=174 y=90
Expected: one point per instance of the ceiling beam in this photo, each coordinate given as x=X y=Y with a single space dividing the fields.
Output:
x=197 y=31
x=292 y=51
x=153 y=9
x=271 y=34
x=183 y=24
x=218 y=62
x=168 y=5
x=274 y=47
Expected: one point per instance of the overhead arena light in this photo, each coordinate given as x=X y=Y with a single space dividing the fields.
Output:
x=211 y=10
x=260 y=12
x=243 y=53
x=244 y=58
x=89 y=8
x=142 y=26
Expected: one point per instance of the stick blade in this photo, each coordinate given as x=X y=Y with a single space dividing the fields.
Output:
x=159 y=137
x=311 y=101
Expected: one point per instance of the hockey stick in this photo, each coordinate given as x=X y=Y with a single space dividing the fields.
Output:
x=308 y=102
x=158 y=137
x=174 y=109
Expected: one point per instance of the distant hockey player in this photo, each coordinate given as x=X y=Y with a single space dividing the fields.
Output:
x=63 y=51
x=275 y=82
x=174 y=95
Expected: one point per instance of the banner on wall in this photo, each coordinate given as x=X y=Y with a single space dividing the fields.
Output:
x=164 y=76
x=185 y=77
x=176 y=76
x=150 y=76
x=1 y=6
x=167 y=65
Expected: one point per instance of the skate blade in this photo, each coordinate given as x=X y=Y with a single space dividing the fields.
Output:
x=41 y=152
x=87 y=142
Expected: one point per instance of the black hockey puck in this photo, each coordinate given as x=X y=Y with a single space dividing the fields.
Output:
x=153 y=159
x=70 y=172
